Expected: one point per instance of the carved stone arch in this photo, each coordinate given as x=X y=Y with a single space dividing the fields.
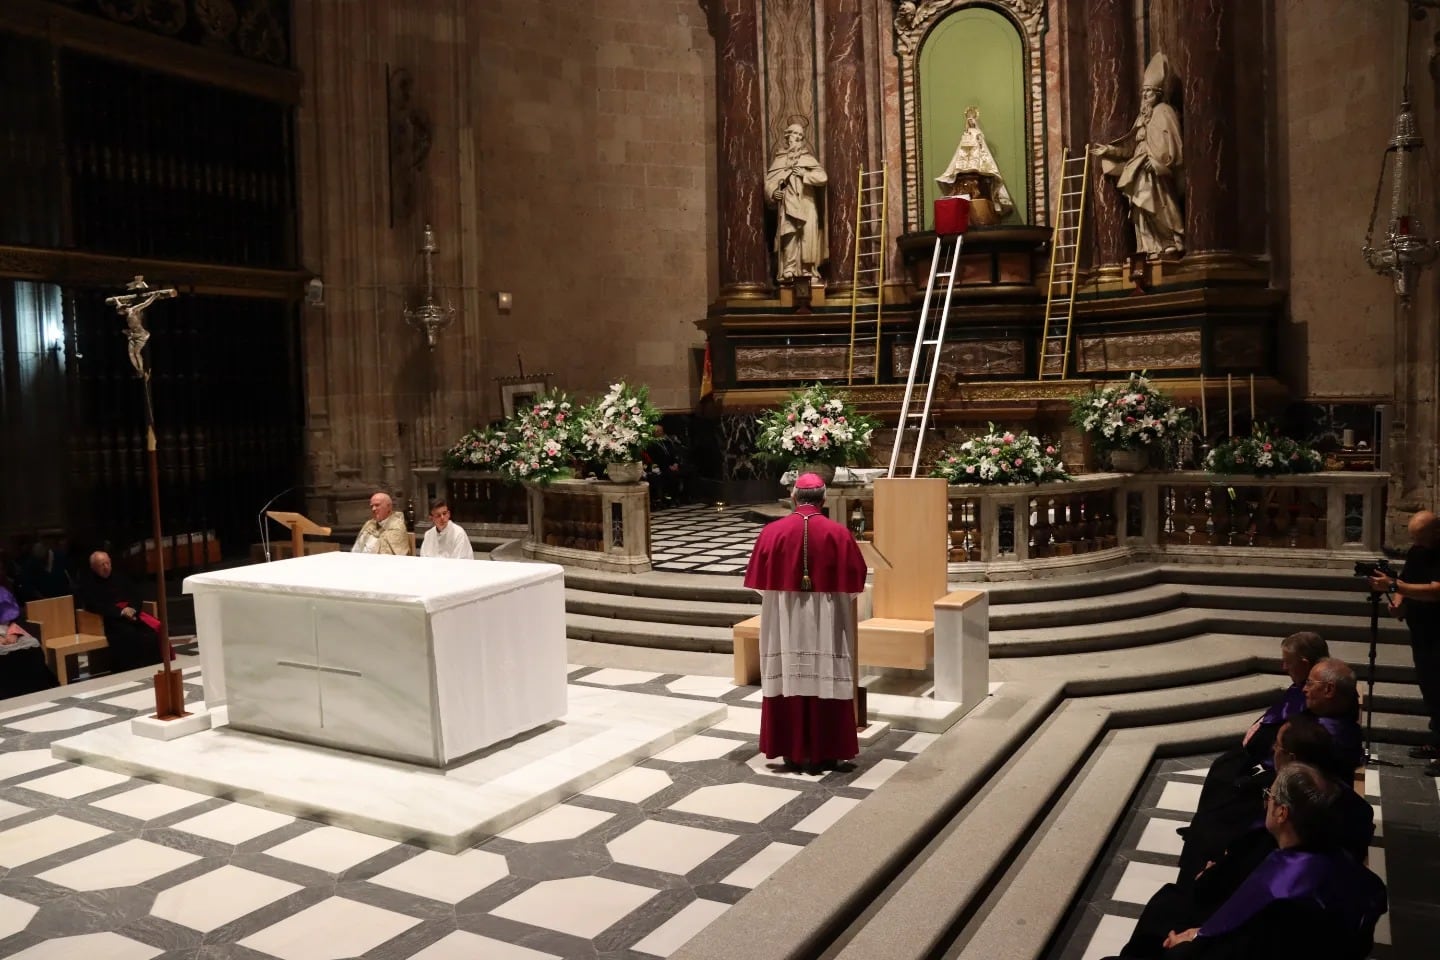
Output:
x=913 y=23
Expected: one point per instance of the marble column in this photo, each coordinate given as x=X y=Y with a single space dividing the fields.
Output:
x=1208 y=82
x=1114 y=102
x=740 y=163
x=846 y=123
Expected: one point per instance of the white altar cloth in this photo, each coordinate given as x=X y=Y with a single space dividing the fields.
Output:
x=412 y=658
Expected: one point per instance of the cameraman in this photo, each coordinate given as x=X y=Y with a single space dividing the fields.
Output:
x=1415 y=596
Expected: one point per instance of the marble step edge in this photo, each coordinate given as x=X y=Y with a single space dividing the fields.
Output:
x=991 y=834
x=658 y=610
x=1031 y=899
x=803 y=905
x=640 y=633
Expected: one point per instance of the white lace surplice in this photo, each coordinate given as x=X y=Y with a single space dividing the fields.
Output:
x=807 y=641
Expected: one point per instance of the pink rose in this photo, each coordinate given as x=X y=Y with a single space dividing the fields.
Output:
x=559 y=418
x=825 y=421
x=1050 y=451
x=1008 y=438
x=970 y=469
x=790 y=417
x=994 y=451
x=545 y=423
x=1019 y=461
x=1266 y=447
x=839 y=419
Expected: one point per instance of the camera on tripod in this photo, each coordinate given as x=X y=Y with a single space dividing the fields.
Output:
x=1368 y=568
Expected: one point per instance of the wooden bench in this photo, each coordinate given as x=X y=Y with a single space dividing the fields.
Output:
x=883 y=643
x=745 y=636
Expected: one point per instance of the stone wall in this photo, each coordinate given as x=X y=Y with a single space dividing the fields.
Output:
x=1338 y=85
x=571 y=166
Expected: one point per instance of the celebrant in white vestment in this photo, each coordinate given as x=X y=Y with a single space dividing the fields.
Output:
x=446 y=539
x=808 y=570
x=385 y=531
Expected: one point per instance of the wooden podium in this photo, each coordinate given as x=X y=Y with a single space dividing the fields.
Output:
x=299 y=526
x=911 y=539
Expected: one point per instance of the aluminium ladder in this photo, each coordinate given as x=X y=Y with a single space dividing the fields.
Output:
x=934 y=315
x=1064 y=262
x=867 y=283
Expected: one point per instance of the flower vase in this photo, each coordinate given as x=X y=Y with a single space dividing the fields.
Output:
x=625 y=472
x=824 y=471
x=1129 y=461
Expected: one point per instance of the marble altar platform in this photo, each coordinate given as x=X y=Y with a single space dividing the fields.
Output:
x=416 y=659
x=605 y=731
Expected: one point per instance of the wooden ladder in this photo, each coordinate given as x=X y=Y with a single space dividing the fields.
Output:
x=1055 y=341
x=867 y=288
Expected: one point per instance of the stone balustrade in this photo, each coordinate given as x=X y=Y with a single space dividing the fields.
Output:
x=589 y=523
x=482 y=502
x=1009 y=532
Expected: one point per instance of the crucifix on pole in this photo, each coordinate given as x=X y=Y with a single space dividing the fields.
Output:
x=169 y=689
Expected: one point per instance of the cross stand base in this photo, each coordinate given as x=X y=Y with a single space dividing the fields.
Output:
x=169 y=694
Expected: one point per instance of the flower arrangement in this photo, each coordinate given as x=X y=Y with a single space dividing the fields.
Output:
x=1129 y=417
x=543 y=437
x=618 y=427
x=1262 y=453
x=814 y=426
x=1000 y=456
x=484 y=448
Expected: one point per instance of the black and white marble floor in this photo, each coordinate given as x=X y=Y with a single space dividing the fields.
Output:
x=97 y=864
x=701 y=540
x=1145 y=851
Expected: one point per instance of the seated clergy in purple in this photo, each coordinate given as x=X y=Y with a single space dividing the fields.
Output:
x=808 y=570
x=1309 y=898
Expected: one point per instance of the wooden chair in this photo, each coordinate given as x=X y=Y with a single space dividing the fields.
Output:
x=66 y=632
x=62 y=634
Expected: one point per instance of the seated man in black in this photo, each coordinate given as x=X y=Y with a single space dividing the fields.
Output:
x=1227 y=809
x=1299 y=653
x=1191 y=900
x=1307 y=898
x=106 y=591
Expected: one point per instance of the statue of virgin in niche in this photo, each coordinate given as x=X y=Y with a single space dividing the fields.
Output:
x=972 y=171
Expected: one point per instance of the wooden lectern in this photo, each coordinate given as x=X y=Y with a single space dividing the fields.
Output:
x=911 y=537
x=299 y=525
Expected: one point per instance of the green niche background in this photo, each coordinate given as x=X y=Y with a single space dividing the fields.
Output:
x=974 y=57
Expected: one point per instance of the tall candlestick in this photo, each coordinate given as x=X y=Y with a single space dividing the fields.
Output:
x=1204 y=420
x=1252 y=401
x=1230 y=404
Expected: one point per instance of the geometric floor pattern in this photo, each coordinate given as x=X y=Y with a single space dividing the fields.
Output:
x=1144 y=854
x=701 y=540
x=97 y=864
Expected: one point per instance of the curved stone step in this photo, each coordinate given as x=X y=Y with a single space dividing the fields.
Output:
x=658 y=610
x=1180 y=622
x=1159 y=597
x=669 y=586
x=640 y=633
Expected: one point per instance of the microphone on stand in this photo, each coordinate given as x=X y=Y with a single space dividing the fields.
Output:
x=264 y=531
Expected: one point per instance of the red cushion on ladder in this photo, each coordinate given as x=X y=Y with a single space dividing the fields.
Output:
x=952 y=216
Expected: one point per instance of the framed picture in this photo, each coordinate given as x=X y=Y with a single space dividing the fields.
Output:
x=516 y=396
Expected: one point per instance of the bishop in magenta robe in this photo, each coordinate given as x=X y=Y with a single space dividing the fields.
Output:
x=807 y=569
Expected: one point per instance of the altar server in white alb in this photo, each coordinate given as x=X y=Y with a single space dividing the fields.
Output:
x=445 y=539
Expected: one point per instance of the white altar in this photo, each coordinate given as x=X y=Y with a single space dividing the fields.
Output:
x=411 y=658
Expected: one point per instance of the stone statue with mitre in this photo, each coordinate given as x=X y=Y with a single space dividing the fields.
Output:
x=974 y=173
x=1147 y=164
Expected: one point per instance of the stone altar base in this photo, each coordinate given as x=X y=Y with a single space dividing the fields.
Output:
x=605 y=731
